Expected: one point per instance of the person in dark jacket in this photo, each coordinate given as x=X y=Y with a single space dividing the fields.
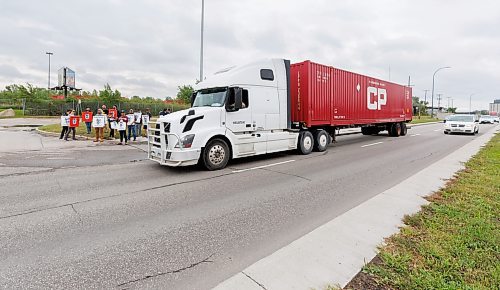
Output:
x=70 y=129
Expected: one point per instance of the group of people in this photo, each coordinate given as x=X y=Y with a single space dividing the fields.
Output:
x=134 y=127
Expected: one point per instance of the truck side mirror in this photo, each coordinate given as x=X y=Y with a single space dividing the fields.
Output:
x=238 y=95
x=193 y=96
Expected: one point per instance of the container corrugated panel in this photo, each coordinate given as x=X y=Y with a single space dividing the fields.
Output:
x=323 y=95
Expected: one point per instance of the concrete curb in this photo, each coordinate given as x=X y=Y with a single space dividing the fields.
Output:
x=427 y=123
x=333 y=253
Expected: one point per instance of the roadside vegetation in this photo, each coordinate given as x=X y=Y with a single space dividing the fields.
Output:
x=423 y=119
x=452 y=243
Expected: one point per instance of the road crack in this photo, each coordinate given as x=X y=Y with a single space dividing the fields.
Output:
x=77 y=214
x=206 y=260
x=284 y=173
x=262 y=286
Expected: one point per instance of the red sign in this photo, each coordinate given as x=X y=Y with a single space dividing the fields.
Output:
x=113 y=113
x=87 y=116
x=74 y=121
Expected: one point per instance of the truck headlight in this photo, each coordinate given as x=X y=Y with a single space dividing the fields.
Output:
x=186 y=141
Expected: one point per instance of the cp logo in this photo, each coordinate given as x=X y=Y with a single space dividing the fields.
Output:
x=380 y=98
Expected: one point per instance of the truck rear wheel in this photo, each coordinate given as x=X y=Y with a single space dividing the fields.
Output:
x=404 y=129
x=215 y=155
x=306 y=142
x=395 y=130
x=321 y=140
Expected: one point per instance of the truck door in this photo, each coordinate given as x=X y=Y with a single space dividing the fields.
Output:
x=239 y=121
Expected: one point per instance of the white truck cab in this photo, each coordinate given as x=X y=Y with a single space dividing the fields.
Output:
x=241 y=111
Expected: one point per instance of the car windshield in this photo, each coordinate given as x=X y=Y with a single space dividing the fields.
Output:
x=210 y=97
x=465 y=118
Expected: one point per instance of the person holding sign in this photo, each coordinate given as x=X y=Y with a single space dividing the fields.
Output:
x=73 y=123
x=87 y=118
x=122 y=127
x=99 y=122
x=112 y=117
x=64 y=123
x=138 y=122
x=145 y=119
x=131 y=125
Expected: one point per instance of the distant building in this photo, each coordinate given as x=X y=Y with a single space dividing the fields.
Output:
x=495 y=106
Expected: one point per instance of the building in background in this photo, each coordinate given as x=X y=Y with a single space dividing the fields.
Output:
x=495 y=106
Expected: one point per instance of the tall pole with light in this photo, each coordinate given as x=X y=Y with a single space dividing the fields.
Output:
x=201 y=46
x=470 y=103
x=433 y=76
x=48 y=84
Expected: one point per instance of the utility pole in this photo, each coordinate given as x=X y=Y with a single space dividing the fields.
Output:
x=448 y=107
x=201 y=48
x=425 y=97
x=433 y=77
x=439 y=100
x=48 y=85
x=470 y=103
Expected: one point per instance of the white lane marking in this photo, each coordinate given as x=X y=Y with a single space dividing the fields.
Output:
x=376 y=143
x=414 y=135
x=437 y=130
x=60 y=158
x=263 y=166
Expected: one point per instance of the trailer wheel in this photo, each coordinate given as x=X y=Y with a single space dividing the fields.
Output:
x=395 y=130
x=404 y=129
x=321 y=140
x=306 y=142
x=216 y=154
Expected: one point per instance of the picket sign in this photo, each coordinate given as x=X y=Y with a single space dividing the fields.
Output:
x=131 y=119
x=114 y=126
x=138 y=117
x=64 y=121
x=122 y=126
x=74 y=121
x=99 y=121
x=145 y=119
x=87 y=116
x=113 y=113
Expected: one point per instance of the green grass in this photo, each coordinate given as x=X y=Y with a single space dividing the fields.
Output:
x=454 y=242
x=424 y=119
x=81 y=130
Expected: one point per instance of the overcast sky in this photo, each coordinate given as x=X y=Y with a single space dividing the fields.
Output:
x=148 y=48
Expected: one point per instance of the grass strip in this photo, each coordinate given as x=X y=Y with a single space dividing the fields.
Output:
x=453 y=242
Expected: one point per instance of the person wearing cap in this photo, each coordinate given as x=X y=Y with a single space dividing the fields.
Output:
x=70 y=129
x=111 y=119
x=99 y=132
x=88 y=124
x=123 y=133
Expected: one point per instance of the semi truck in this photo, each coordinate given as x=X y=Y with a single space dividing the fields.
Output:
x=272 y=105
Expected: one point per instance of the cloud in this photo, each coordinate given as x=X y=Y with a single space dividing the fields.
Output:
x=150 y=47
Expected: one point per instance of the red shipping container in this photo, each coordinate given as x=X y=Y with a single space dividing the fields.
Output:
x=74 y=121
x=87 y=116
x=327 y=96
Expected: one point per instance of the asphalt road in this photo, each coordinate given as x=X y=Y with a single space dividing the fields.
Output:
x=104 y=217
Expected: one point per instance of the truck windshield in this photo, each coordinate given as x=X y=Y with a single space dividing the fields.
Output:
x=210 y=97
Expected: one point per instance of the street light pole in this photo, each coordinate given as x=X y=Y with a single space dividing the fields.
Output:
x=48 y=85
x=470 y=103
x=201 y=48
x=433 y=76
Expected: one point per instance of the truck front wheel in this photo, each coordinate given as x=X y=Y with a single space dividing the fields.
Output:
x=404 y=129
x=216 y=154
x=306 y=142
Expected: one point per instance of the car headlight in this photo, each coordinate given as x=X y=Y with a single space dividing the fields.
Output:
x=185 y=142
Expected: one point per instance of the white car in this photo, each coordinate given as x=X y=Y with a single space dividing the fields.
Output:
x=461 y=124
x=486 y=119
x=496 y=119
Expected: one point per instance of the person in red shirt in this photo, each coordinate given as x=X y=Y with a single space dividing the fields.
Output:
x=122 y=122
